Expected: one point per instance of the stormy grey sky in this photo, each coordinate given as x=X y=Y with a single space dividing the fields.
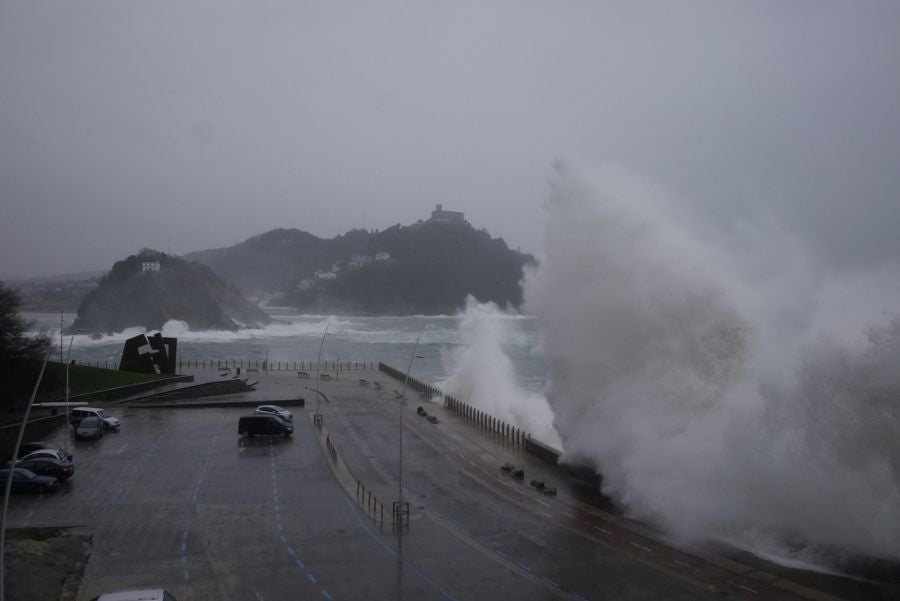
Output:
x=127 y=124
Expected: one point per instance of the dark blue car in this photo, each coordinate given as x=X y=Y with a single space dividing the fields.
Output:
x=27 y=481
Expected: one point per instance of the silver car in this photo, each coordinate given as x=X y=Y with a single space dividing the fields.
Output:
x=275 y=410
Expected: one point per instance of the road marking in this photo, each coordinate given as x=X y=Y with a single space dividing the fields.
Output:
x=647 y=549
x=687 y=565
x=747 y=588
x=291 y=551
x=326 y=595
x=570 y=515
x=579 y=597
x=187 y=575
x=551 y=582
x=122 y=448
x=300 y=563
x=542 y=503
x=311 y=578
x=258 y=596
x=526 y=568
x=605 y=531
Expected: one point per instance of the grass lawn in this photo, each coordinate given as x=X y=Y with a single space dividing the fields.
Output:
x=85 y=379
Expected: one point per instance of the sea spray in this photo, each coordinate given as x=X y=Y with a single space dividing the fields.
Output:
x=666 y=375
x=481 y=373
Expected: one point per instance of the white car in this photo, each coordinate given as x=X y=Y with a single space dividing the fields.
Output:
x=110 y=422
x=275 y=410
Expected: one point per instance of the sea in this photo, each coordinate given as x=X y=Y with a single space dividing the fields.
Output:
x=434 y=343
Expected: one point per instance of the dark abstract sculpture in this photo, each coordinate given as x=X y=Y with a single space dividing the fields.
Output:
x=149 y=354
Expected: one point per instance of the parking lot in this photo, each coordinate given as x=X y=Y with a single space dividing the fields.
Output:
x=177 y=499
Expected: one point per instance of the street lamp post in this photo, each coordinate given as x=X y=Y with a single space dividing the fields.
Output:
x=318 y=368
x=400 y=452
x=68 y=362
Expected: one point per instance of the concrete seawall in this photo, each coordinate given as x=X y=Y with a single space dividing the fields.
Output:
x=492 y=424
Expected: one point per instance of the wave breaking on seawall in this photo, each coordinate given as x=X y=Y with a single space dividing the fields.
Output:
x=725 y=387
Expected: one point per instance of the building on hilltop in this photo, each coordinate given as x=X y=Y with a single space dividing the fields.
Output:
x=150 y=266
x=439 y=215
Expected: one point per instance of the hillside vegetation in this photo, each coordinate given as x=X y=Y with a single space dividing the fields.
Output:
x=424 y=268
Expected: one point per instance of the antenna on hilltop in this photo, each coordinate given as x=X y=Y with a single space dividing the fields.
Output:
x=364 y=219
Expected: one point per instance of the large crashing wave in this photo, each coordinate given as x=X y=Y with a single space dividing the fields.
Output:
x=481 y=372
x=725 y=391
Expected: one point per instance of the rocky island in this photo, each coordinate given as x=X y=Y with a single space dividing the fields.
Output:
x=150 y=288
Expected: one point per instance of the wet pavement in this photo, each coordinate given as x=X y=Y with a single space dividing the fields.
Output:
x=177 y=499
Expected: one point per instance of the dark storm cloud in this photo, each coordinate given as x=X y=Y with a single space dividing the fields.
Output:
x=123 y=125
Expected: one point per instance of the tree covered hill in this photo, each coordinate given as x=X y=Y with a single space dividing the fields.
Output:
x=426 y=268
x=135 y=294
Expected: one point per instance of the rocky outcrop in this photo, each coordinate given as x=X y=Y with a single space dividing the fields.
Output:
x=151 y=288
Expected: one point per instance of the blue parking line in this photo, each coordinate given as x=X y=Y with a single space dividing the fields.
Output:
x=393 y=553
x=311 y=578
x=326 y=595
x=547 y=580
x=524 y=567
x=291 y=551
x=187 y=576
x=579 y=597
x=300 y=563
x=183 y=547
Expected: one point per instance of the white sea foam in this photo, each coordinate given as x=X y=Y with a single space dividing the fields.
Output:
x=481 y=372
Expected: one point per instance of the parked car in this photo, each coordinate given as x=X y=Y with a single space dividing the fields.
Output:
x=275 y=410
x=143 y=594
x=48 y=462
x=28 y=447
x=25 y=481
x=110 y=422
x=89 y=428
x=264 y=425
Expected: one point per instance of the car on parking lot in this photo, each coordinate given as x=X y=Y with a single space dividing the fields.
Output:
x=143 y=594
x=264 y=425
x=29 y=447
x=25 y=481
x=89 y=428
x=110 y=422
x=275 y=410
x=49 y=462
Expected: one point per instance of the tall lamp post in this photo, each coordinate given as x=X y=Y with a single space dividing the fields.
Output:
x=318 y=367
x=68 y=362
x=402 y=405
